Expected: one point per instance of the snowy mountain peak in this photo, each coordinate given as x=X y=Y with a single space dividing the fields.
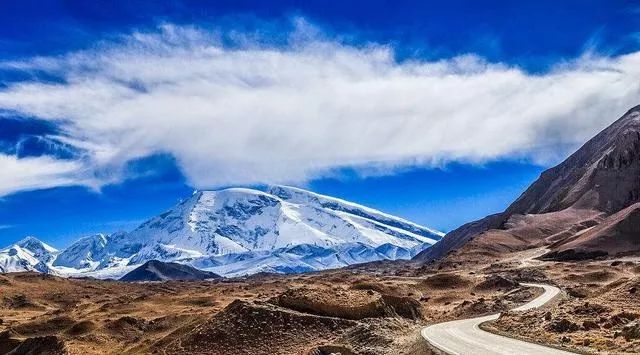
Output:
x=297 y=195
x=35 y=245
x=238 y=231
x=84 y=253
x=29 y=254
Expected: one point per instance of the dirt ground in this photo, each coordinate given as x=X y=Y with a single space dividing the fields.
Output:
x=376 y=308
x=600 y=313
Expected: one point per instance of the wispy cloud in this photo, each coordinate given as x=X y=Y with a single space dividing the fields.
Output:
x=254 y=113
x=36 y=173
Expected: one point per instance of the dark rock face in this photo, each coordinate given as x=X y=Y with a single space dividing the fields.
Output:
x=160 y=271
x=563 y=326
x=494 y=282
x=602 y=176
x=47 y=345
x=572 y=255
x=631 y=331
x=8 y=342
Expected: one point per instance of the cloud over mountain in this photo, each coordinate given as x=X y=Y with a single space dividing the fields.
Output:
x=252 y=112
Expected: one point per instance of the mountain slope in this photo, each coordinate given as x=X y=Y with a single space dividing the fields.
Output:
x=238 y=231
x=299 y=258
x=155 y=270
x=616 y=234
x=601 y=175
x=84 y=253
x=299 y=196
x=29 y=254
x=599 y=179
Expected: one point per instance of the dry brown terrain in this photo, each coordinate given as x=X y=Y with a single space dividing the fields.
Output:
x=375 y=308
x=600 y=312
x=371 y=309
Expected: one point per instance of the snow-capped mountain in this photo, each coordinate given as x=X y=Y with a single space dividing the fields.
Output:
x=349 y=210
x=240 y=231
x=299 y=258
x=29 y=254
x=85 y=253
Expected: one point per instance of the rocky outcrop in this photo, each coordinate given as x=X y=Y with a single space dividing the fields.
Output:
x=495 y=282
x=352 y=304
x=445 y=281
x=46 y=345
x=257 y=328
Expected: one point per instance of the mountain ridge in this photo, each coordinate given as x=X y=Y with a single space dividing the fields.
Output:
x=236 y=231
x=28 y=254
x=598 y=180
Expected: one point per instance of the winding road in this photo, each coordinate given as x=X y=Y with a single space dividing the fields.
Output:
x=465 y=336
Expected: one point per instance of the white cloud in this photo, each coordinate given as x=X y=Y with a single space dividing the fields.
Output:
x=36 y=173
x=260 y=114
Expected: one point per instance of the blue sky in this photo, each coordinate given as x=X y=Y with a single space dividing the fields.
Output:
x=440 y=112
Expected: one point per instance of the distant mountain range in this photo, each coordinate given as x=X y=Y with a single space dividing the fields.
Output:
x=587 y=206
x=235 y=232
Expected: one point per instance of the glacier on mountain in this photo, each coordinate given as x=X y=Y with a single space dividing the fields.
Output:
x=29 y=254
x=240 y=231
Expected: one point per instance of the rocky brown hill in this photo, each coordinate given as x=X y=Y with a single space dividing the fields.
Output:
x=563 y=207
x=155 y=270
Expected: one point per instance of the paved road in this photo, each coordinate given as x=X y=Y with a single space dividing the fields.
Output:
x=465 y=337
